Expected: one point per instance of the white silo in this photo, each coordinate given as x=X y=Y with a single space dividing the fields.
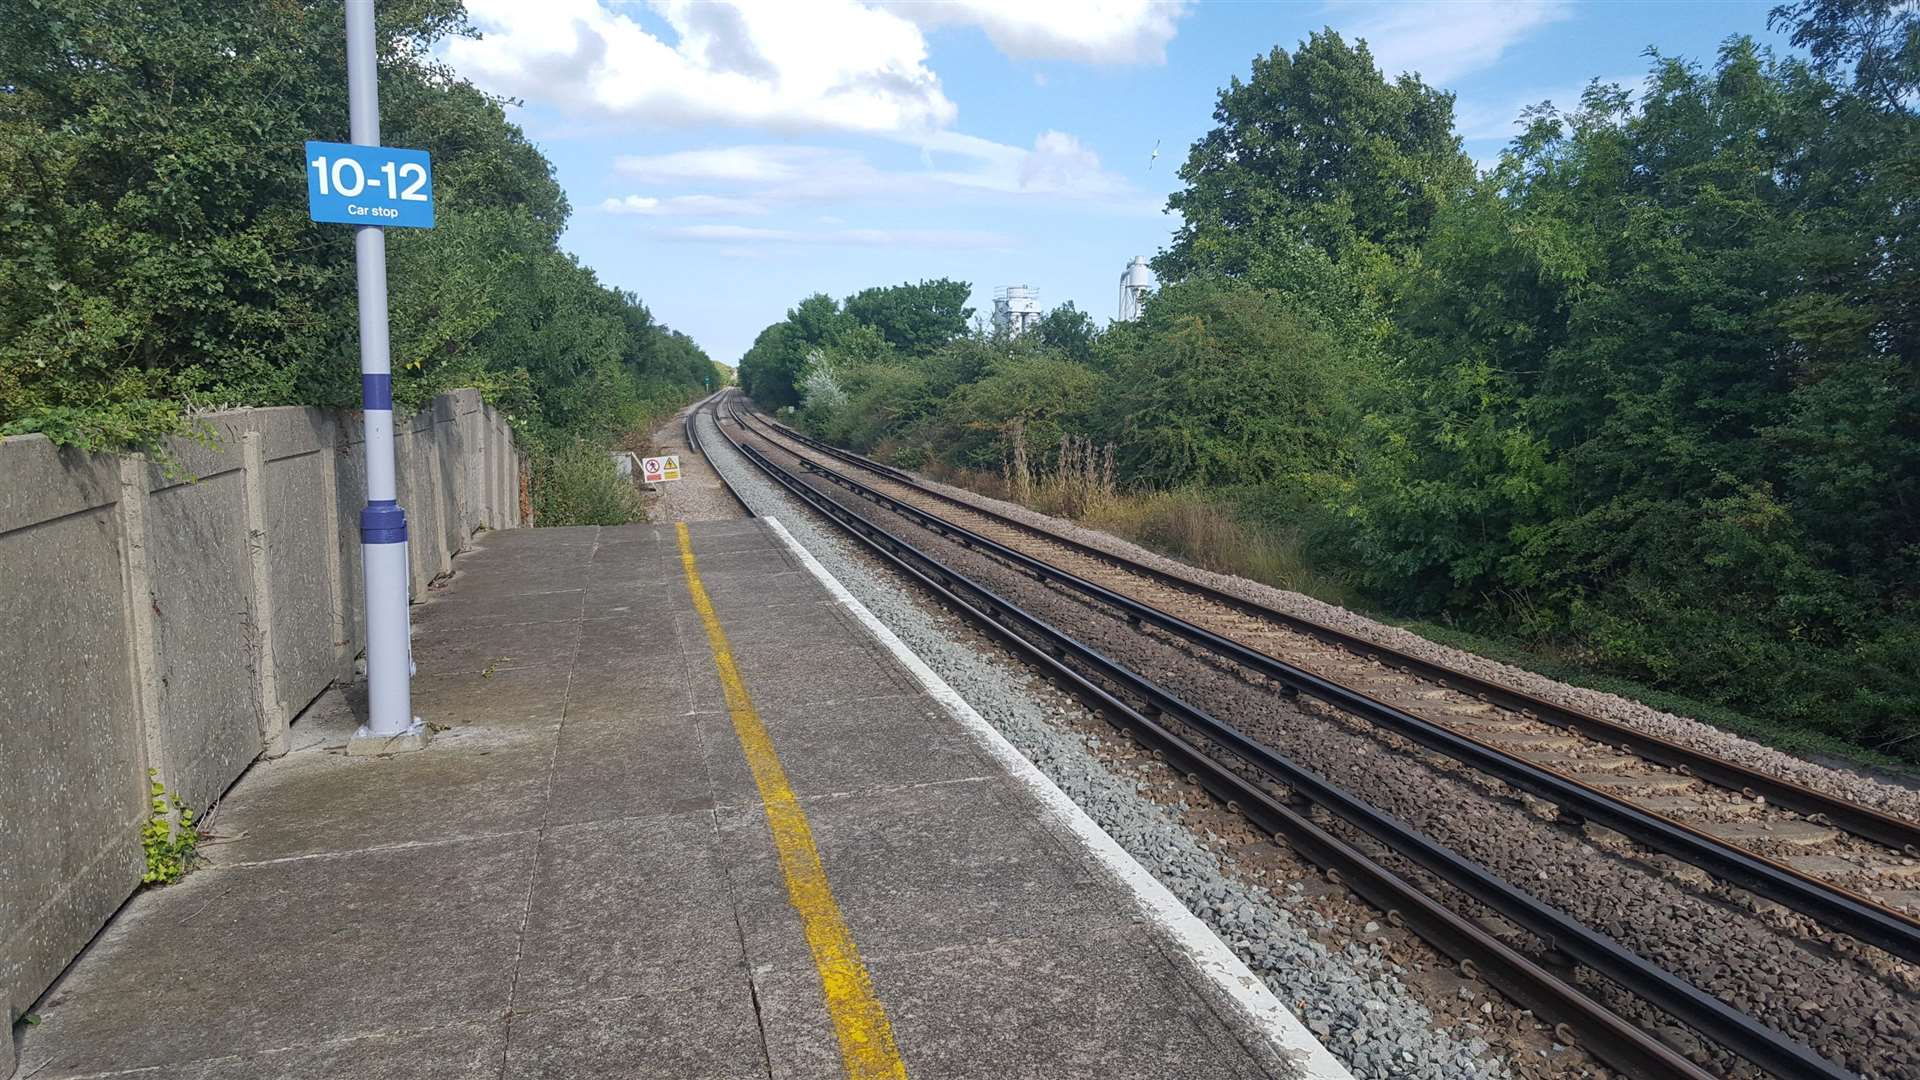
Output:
x=1016 y=309
x=1135 y=282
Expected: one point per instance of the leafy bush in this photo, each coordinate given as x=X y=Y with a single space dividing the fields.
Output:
x=578 y=485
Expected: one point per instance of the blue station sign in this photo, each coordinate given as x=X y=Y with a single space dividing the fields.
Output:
x=369 y=185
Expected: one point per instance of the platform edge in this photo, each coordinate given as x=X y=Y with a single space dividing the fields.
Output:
x=1203 y=949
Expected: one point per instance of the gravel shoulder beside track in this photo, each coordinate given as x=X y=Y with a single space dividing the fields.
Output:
x=698 y=495
x=1354 y=996
x=1893 y=798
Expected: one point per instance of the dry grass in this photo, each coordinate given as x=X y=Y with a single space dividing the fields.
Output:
x=1193 y=528
x=1185 y=525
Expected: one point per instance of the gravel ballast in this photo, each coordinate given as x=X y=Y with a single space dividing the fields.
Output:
x=1353 y=997
x=1892 y=798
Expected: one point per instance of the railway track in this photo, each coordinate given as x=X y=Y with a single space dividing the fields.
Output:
x=1143 y=708
x=1850 y=867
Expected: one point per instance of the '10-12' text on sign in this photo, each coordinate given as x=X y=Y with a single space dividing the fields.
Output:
x=369 y=185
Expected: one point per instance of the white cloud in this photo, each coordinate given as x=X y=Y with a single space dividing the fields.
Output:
x=1058 y=162
x=682 y=205
x=735 y=164
x=832 y=65
x=737 y=235
x=835 y=65
x=953 y=165
x=1092 y=31
x=1442 y=40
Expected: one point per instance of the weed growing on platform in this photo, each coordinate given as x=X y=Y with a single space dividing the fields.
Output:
x=169 y=844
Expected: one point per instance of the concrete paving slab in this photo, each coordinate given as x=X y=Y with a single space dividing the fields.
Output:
x=767 y=591
x=443 y=614
x=614 y=534
x=497 y=648
x=629 y=908
x=622 y=694
x=1082 y=1005
x=636 y=550
x=508 y=697
x=524 y=560
x=719 y=537
x=1014 y=879
x=641 y=632
x=544 y=540
x=622 y=768
x=747 y=563
x=509 y=580
x=821 y=661
x=708 y=1032
x=292 y=952
x=329 y=802
x=857 y=747
x=468 y=1051
x=615 y=599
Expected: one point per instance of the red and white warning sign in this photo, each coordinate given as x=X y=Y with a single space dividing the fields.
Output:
x=656 y=469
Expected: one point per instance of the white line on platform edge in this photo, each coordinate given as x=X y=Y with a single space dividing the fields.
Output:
x=1204 y=949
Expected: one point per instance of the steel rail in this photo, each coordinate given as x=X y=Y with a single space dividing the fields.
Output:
x=1833 y=907
x=1862 y=821
x=693 y=444
x=1584 y=1021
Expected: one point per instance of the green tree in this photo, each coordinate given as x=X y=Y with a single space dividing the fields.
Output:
x=773 y=368
x=1068 y=331
x=914 y=319
x=1226 y=383
x=1315 y=149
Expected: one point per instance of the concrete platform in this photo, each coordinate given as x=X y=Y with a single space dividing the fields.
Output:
x=577 y=877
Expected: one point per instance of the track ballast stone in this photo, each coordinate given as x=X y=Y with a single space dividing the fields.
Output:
x=1354 y=998
x=1891 y=798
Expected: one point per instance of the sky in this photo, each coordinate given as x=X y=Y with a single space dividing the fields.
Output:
x=725 y=159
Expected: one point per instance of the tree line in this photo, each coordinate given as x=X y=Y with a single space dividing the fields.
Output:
x=156 y=258
x=1643 y=395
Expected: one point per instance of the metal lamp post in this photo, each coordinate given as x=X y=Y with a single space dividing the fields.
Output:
x=391 y=725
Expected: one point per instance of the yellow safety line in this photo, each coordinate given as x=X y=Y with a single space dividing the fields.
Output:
x=866 y=1038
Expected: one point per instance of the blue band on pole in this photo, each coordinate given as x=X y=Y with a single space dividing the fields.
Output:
x=383 y=522
x=376 y=392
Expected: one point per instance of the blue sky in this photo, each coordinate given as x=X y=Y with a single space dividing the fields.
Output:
x=724 y=160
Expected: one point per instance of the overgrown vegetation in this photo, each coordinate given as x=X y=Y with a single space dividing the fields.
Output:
x=156 y=257
x=578 y=485
x=1644 y=396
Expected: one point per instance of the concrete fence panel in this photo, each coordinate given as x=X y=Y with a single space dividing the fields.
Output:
x=71 y=744
x=177 y=619
x=199 y=586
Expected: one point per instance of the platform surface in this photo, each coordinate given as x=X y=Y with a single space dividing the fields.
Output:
x=577 y=877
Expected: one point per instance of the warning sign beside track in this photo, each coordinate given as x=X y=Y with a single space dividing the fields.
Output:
x=656 y=469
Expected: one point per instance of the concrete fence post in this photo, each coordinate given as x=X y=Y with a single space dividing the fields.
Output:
x=496 y=474
x=142 y=654
x=266 y=677
x=339 y=589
